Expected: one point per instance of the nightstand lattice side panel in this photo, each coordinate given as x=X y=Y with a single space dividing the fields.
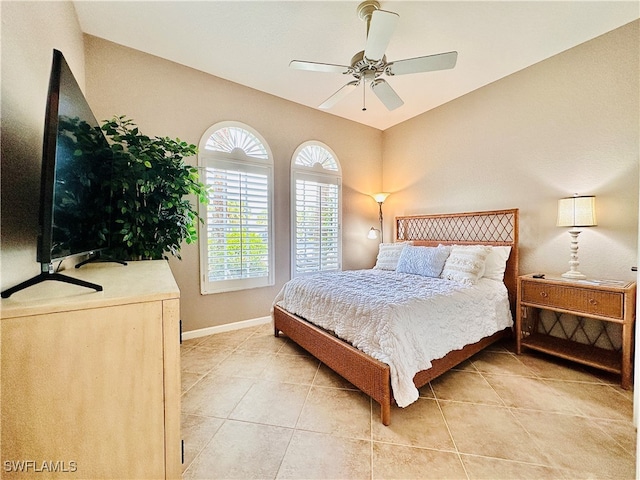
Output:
x=584 y=330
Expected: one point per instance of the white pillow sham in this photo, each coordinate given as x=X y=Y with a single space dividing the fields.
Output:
x=389 y=254
x=425 y=261
x=466 y=263
x=496 y=263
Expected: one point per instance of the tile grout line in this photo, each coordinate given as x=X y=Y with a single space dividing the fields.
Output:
x=225 y=419
x=295 y=426
x=197 y=455
x=446 y=423
x=550 y=462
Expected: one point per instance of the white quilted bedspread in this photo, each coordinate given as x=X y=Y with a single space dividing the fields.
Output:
x=403 y=320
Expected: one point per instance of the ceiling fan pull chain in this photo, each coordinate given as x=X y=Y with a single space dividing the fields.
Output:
x=364 y=96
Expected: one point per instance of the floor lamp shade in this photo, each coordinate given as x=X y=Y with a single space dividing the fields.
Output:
x=380 y=197
x=576 y=212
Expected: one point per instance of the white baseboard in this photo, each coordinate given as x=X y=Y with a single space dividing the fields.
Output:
x=227 y=327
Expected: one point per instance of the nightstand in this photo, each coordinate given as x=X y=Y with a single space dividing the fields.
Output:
x=602 y=300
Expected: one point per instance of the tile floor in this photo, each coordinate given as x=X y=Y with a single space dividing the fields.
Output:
x=256 y=406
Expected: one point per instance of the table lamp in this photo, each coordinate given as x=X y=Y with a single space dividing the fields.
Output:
x=574 y=212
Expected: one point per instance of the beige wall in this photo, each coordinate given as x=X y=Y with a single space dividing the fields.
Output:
x=566 y=125
x=168 y=99
x=28 y=38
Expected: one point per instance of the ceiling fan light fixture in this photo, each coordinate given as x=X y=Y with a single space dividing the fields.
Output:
x=368 y=76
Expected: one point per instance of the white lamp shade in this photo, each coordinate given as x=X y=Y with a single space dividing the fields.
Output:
x=373 y=234
x=577 y=212
x=380 y=197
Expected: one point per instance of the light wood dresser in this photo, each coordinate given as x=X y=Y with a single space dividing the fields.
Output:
x=90 y=383
x=604 y=301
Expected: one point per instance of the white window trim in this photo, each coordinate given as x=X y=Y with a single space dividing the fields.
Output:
x=317 y=173
x=209 y=158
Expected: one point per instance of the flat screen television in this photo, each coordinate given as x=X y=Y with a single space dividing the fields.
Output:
x=75 y=186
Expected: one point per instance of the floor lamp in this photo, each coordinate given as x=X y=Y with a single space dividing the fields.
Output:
x=380 y=198
x=576 y=212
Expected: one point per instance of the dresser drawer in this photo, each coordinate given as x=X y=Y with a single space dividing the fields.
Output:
x=578 y=299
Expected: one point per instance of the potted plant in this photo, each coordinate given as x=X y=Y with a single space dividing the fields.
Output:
x=150 y=212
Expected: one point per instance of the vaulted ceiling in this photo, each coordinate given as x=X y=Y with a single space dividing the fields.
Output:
x=252 y=43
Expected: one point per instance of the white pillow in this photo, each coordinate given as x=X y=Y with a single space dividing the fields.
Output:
x=465 y=263
x=388 y=255
x=496 y=263
x=425 y=261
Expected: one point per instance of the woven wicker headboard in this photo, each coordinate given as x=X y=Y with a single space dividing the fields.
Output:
x=496 y=227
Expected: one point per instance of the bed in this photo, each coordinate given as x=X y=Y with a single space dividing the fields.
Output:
x=498 y=228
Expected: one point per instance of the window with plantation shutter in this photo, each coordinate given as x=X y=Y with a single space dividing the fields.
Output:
x=237 y=236
x=316 y=210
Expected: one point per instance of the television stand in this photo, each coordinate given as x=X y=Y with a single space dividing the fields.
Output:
x=97 y=257
x=78 y=359
x=43 y=277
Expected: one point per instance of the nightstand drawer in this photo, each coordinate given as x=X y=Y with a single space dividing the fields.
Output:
x=578 y=299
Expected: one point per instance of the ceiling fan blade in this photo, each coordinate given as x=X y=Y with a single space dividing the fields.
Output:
x=339 y=95
x=386 y=94
x=319 y=67
x=430 y=63
x=381 y=28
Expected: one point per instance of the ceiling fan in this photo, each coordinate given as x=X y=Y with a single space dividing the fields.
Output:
x=370 y=64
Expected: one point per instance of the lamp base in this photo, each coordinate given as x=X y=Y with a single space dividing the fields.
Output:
x=574 y=275
x=573 y=272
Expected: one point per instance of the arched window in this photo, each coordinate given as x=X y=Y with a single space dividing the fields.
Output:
x=236 y=249
x=316 y=209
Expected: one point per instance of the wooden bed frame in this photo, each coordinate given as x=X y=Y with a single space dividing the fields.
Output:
x=497 y=227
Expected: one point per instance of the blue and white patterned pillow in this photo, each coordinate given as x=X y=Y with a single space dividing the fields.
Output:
x=425 y=261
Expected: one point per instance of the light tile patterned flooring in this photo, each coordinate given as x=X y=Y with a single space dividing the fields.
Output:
x=257 y=406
